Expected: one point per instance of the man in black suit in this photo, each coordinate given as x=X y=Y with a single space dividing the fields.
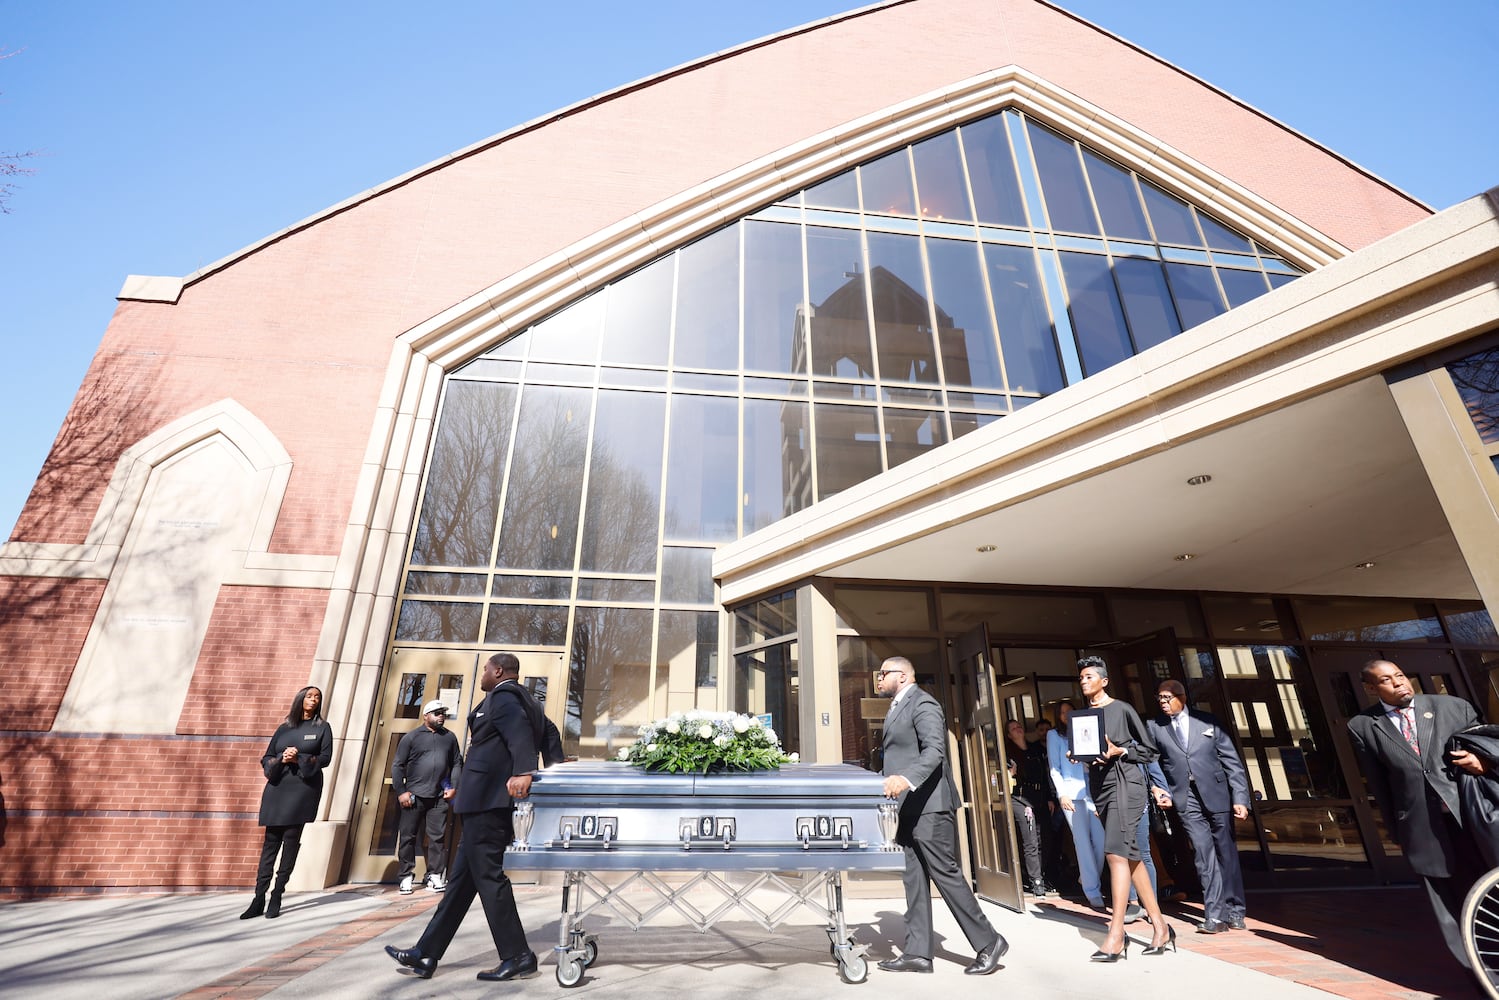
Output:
x=1399 y=741
x=503 y=741
x=1210 y=790
x=916 y=772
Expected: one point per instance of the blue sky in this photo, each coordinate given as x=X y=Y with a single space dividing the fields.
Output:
x=171 y=134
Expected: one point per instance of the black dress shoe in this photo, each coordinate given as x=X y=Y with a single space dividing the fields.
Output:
x=907 y=963
x=1237 y=923
x=414 y=960
x=523 y=964
x=1212 y=927
x=988 y=959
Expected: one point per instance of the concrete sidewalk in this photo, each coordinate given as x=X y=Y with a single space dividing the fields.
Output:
x=329 y=944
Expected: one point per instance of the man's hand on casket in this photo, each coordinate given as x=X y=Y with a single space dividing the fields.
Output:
x=895 y=785
x=519 y=786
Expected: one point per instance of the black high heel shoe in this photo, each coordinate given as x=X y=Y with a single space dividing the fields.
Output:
x=1111 y=956
x=1160 y=949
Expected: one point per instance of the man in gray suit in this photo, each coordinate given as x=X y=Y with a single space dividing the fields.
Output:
x=916 y=773
x=1207 y=783
x=1399 y=741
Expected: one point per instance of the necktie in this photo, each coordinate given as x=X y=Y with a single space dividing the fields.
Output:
x=1408 y=729
x=1181 y=729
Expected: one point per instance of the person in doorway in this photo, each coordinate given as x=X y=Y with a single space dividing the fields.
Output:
x=1399 y=742
x=1117 y=785
x=917 y=774
x=1029 y=802
x=293 y=764
x=424 y=777
x=1206 y=782
x=503 y=740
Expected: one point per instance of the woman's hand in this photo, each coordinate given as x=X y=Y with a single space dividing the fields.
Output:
x=289 y=755
x=1066 y=804
x=1111 y=751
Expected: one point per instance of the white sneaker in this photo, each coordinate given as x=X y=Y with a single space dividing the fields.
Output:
x=406 y=885
x=436 y=882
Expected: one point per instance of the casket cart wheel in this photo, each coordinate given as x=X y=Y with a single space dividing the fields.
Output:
x=1480 y=929
x=853 y=968
x=590 y=952
x=569 y=972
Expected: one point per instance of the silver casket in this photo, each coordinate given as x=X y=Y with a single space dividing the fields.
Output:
x=815 y=820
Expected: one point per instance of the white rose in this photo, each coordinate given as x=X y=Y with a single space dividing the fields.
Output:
x=720 y=741
x=705 y=731
x=795 y=757
x=754 y=720
x=673 y=726
x=741 y=724
x=624 y=753
x=650 y=748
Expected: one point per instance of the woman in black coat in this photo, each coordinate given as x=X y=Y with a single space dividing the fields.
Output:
x=293 y=765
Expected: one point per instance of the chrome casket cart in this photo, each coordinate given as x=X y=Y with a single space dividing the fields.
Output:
x=815 y=820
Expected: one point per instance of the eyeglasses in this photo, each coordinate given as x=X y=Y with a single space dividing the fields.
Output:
x=884 y=672
x=1165 y=697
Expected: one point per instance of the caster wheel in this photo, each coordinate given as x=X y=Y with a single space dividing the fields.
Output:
x=569 y=973
x=853 y=969
x=590 y=953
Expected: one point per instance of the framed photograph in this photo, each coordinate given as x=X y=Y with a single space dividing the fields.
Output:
x=1085 y=734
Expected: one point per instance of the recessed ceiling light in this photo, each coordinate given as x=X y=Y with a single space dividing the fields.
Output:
x=985 y=548
x=1186 y=557
x=1363 y=565
x=1199 y=480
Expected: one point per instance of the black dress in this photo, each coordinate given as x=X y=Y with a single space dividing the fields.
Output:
x=292 y=790
x=1118 y=787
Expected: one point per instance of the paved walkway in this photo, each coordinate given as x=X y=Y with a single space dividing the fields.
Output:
x=1361 y=944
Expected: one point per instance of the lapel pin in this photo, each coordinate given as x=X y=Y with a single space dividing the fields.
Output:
x=1426 y=715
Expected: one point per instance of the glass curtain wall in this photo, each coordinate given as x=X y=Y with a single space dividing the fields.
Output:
x=583 y=470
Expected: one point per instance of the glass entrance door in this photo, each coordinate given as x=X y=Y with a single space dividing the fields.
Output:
x=994 y=850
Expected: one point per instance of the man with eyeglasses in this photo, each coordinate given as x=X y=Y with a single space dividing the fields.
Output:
x=423 y=777
x=917 y=774
x=1210 y=790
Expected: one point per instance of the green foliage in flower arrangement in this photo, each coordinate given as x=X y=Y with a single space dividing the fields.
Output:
x=703 y=741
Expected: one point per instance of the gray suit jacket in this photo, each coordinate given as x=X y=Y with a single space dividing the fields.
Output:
x=1209 y=760
x=1411 y=788
x=915 y=747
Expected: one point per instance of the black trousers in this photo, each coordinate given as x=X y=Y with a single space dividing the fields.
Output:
x=932 y=855
x=479 y=870
x=431 y=813
x=283 y=840
x=1216 y=855
x=1448 y=894
x=1029 y=828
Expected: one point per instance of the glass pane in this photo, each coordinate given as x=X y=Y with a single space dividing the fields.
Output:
x=1220 y=237
x=456 y=527
x=624 y=483
x=870 y=609
x=409 y=698
x=1096 y=315
x=1355 y=619
x=1147 y=302
x=1303 y=838
x=1277 y=280
x=702 y=486
x=1135 y=616
x=383 y=838
x=1196 y=293
x=840 y=324
x=838 y=191
x=708 y=302
x=996 y=192
x=1025 y=334
x=445 y=584
x=767 y=618
x=526 y=625
x=619 y=591
x=540 y=525
x=608 y=692
x=686 y=575
x=766 y=683
x=939 y=178
x=902 y=322
x=571 y=334
x=1171 y=217
x=557 y=588
x=1255 y=619
x=438 y=621
x=909 y=433
x=887 y=185
x=773 y=298
x=970 y=355
x=687 y=656
x=1242 y=286
x=637 y=316
x=1118 y=200
x=1477 y=380
x=777 y=462
x=1067 y=201
x=1470 y=623
x=848 y=447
